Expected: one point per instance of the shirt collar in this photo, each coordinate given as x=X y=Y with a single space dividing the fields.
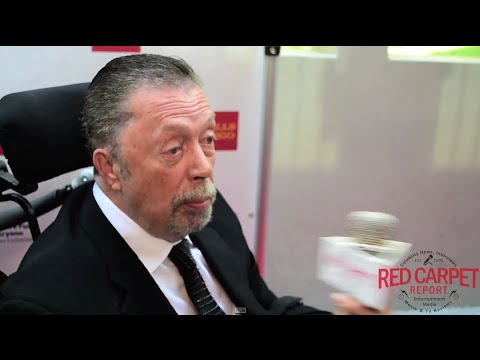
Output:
x=151 y=251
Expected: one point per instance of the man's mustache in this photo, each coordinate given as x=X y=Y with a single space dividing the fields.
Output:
x=205 y=190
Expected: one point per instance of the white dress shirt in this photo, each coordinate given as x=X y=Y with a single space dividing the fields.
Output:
x=153 y=253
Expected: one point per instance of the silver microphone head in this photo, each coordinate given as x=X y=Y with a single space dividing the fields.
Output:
x=371 y=230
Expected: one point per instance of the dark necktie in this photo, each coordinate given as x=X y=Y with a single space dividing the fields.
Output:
x=194 y=283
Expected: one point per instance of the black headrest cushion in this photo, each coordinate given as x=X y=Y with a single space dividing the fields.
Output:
x=40 y=132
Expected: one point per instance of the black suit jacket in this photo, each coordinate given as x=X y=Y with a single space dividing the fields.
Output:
x=81 y=265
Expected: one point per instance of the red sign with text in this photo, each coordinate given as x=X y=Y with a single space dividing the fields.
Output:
x=226 y=130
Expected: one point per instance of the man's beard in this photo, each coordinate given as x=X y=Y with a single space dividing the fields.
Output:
x=184 y=221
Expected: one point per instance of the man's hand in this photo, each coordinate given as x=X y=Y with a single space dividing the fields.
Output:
x=347 y=305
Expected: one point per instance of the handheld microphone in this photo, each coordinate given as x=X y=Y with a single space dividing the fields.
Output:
x=351 y=263
x=372 y=230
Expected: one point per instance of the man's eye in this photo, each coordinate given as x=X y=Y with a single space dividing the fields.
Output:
x=210 y=140
x=174 y=151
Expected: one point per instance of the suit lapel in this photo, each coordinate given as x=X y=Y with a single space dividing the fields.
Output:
x=232 y=276
x=141 y=294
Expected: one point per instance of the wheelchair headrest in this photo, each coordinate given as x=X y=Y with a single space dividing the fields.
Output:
x=40 y=132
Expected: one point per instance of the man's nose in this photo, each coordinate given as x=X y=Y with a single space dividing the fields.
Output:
x=202 y=165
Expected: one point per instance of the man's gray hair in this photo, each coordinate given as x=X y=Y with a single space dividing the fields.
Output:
x=105 y=113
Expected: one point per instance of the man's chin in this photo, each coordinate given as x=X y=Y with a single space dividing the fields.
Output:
x=200 y=221
x=191 y=221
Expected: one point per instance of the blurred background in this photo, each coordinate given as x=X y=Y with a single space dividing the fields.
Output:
x=390 y=129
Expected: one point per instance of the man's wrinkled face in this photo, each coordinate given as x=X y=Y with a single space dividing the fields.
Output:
x=169 y=154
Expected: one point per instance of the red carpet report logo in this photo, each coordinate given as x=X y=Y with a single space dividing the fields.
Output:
x=431 y=282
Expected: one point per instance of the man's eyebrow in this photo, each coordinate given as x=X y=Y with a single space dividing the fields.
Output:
x=176 y=127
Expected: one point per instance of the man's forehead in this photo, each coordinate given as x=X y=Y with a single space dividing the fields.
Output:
x=163 y=96
x=174 y=124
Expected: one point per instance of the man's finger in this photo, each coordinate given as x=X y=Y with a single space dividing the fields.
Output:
x=349 y=305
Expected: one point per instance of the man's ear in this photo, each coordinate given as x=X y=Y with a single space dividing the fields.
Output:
x=107 y=168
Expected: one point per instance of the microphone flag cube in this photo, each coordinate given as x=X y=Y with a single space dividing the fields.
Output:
x=351 y=263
